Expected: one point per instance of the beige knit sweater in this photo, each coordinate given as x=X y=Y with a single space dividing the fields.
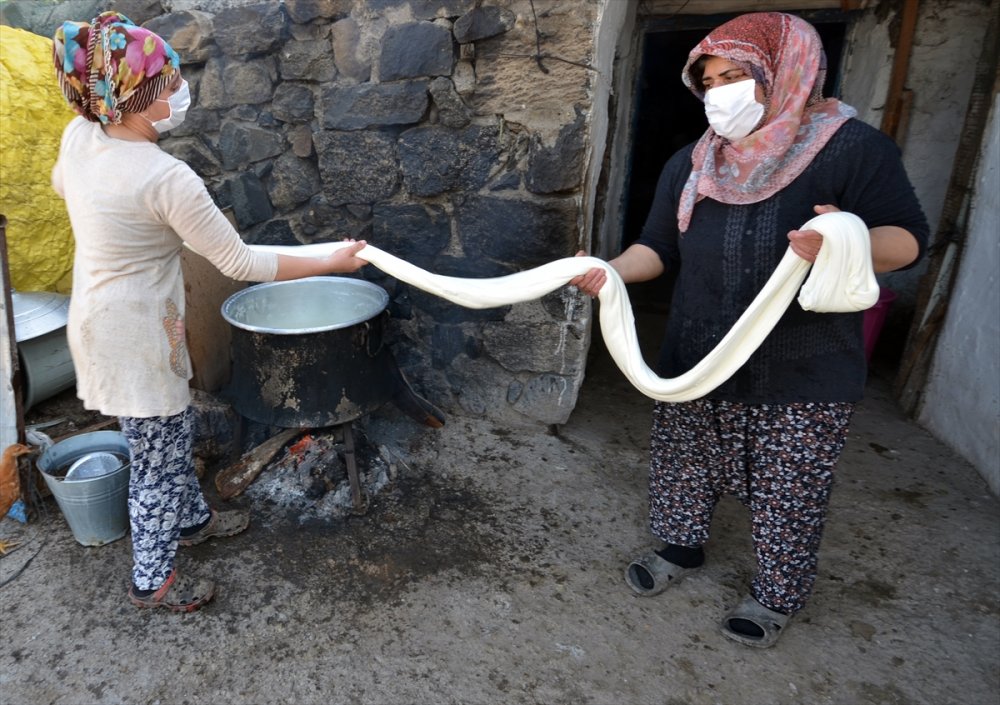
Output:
x=132 y=206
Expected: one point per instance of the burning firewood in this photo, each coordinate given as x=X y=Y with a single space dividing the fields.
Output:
x=232 y=480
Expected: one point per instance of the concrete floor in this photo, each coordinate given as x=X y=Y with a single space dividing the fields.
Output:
x=491 y=572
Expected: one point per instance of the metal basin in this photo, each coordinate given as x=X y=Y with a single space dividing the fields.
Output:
x=309 y=353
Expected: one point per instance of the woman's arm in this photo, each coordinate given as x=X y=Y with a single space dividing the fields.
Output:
x=892 y=247
x=636 y=264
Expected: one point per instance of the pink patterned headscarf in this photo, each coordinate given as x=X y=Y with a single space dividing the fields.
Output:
x=110 y=66
x=784 y=55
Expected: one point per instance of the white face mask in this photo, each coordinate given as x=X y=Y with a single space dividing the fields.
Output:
x=179 y=103
x=732 y=110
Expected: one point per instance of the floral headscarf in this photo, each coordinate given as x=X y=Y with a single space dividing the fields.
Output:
x=784 y=55
x=111 y=66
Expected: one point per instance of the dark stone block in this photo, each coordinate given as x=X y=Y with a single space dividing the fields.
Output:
x=292 y=181
x=194 y=153
x=198 y=121
x=482 y=22
x=414 y=232
x=511 y=181
x=273 y=232
x=308 y=60
x=372 y=105
x=452 y=110
x=323 y=222
x=226 y=82
x=42 y=18
x=400 y=308
x=352 y=60
x=248 y=198
x=251 y=29
x=266 y=119
x=523 y=234
x=559 y=167
x=301 y=139
x=540 y=398
x=140 y=11
x=188 y=32
x=262 y=169
x=447 y=342
x=243 y=113
x=303 y=11
x=415 y=49
x=357 y=167
x=293 y=103
x=438 y=159
x=242 y=143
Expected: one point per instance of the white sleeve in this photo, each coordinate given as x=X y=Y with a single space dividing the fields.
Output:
x=183 y=202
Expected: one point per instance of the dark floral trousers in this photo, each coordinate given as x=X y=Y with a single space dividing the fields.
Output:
x=164 y=495
x=777 y=459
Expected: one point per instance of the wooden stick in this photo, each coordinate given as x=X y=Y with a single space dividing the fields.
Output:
x=86 y=429
x=232 y=480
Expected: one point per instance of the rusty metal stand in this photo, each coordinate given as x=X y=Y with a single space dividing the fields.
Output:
x=350 y=459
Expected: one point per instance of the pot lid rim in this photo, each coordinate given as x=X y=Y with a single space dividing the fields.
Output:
x=371 y=287
x=41 y=312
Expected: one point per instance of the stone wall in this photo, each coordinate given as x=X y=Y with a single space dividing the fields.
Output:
x=427 y=127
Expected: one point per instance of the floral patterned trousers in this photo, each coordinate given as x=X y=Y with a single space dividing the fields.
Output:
x=163 y=494
x=777 y=459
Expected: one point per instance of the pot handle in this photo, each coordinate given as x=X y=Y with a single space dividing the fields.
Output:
x=368 y=340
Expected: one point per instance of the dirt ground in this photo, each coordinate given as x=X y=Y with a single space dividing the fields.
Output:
x=491 y=571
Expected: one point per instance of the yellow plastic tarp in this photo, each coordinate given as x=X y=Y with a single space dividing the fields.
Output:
x=33 y=114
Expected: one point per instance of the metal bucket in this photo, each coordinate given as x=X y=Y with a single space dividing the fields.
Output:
x=95 y=508
x=48 y=367
x=309 y=352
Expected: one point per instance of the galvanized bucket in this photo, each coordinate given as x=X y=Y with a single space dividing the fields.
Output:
x=96 y=508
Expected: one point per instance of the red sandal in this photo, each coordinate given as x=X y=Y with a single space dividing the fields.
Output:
x=179 y=593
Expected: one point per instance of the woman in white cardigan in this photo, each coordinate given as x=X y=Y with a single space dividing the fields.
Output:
x=132 y=207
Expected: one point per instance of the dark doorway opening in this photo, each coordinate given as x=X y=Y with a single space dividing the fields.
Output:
x=667 y=116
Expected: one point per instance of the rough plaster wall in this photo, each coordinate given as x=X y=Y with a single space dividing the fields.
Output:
x=961 y=403
x=605 y=242
x=611 y=18
x=946 y=45
x=867 y=68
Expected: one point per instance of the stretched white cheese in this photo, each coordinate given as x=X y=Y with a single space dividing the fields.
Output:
x=842 y=280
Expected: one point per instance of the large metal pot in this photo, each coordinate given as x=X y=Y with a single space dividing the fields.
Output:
x=309 y=353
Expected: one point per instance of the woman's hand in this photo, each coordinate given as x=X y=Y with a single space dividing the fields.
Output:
x=340 y=261
x=806 y=243
x=590 y=282
x=343 y=260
